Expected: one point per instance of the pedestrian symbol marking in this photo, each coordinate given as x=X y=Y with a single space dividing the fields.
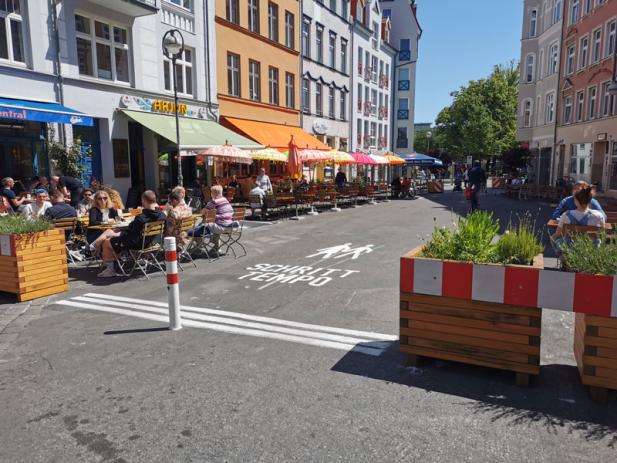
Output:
x=342 y=251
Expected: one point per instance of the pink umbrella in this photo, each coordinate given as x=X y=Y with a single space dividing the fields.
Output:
x=309 y=155
x=294 y=165
x=362 y=158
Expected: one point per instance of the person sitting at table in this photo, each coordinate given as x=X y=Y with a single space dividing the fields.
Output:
x=101 y=213
x=255 y=194
x=86 y=202
x=341 y=178
x=233 y=183
x=7 y=191
x=396 y=186
x=264 y=181
x=223 y=218
x=38 y=207
x=176 y=210
x=59 y=208
x=131 y=238
x=42 y=183
x=568 y=204
x=115 y=198
x=582 y=215
x=303 y=184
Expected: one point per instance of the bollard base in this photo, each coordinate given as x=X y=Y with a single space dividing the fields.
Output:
x=336 y=209
x=296 y=217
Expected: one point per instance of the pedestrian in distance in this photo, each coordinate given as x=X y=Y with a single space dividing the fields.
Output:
x=477 y=177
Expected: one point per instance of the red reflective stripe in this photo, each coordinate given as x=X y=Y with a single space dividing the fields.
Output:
x=170 y=256
x=521 y=286
x=457 y=280
x=172 y=278
x=406 y=275
x=593 y=294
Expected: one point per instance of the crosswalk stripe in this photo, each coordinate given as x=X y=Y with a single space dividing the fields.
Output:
x=151 y=310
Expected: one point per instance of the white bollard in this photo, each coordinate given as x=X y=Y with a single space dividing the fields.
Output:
x=173 y=289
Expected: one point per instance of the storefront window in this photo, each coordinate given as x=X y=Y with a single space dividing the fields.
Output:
x=23 y=151
x=580 y=159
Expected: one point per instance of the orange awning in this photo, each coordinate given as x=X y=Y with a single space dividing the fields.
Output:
x=273 y=135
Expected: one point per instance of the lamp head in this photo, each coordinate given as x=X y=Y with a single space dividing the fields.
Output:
x=173 y=43
x=429 y=134
x=612 y=89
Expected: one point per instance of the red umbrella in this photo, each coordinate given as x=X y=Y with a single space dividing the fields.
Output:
x=294 y=165
x=362 y=158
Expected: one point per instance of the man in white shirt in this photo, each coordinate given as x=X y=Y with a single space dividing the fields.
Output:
x=256 y=199
x=38 y=207
x=264 y=181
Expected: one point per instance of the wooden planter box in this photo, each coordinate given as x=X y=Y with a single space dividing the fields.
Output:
x=470 y=313
x=595 y=349
x=33 y=265
x=435 y=186
x=498 y=182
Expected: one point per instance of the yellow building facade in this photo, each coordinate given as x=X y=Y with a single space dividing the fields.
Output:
x=258 y=60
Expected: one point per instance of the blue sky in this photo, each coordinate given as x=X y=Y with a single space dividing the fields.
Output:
x=462 y=41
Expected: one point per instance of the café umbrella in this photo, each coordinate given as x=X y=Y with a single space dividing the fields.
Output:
x=393 y=159
x=294 y=165
x=310 y=155
x=341 y=157
x=362 y=158
x=227 y=153
x=268 y=154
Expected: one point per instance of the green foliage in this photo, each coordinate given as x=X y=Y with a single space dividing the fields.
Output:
x=519 y=244
x=472 y=239
x=18 y=224
x=482 y=118
x=67 y=159
x=515 y=158
x=584 y=255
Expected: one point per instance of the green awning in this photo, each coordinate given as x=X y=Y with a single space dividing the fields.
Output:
x=195 y=134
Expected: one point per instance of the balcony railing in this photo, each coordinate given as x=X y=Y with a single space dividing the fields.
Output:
x=359 y=69
x=367 y=108
x=382 y=80
x=359 y=139
x=402 y=142
x=402 y=114
x=403 y=85
x=367 y=141
x=382 y=112
x=132 y=8
x=367 y=73
x=360 y=105
x=404 y=55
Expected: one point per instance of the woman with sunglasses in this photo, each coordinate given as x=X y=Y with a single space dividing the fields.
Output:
x=101 y=213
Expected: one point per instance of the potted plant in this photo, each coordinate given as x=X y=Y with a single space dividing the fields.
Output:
x=32 y=258
x=465 y=296
x=592 y=269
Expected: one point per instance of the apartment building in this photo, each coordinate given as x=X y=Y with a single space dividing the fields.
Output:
x=587 y=120
x=326 y=71
x=404 y=35
x=539 y=80
x=372 y=67
x=109 y=67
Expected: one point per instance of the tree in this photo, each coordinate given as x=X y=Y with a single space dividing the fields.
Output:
x=67 y=159
x=515 y=158
x=481 y=121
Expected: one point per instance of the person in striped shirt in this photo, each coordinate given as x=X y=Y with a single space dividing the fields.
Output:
x=223 y=219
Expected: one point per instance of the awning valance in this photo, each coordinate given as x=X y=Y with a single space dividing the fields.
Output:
x=274 y=135
x=195 y=134
x=41 y=112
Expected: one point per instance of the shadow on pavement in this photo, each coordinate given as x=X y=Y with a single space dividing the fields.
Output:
x=556 y=399
x=137 y=330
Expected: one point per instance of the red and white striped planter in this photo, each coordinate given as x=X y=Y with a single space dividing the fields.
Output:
x=510 y=284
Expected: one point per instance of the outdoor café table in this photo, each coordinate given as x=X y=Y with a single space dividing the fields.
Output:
x=118 y=226
x=552 y=223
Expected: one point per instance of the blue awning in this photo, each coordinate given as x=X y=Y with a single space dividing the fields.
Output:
x=41 y=112
x=419 y=159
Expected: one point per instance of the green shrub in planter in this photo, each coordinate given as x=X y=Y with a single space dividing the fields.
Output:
x=519 y=244
x=584 y=255
x=18 y=224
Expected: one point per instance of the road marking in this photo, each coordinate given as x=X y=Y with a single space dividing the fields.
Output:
x=239 y=323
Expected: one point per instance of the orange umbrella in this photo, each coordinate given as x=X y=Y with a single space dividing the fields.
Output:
x=294 y=165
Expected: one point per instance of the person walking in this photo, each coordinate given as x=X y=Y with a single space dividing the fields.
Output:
x=477 y=177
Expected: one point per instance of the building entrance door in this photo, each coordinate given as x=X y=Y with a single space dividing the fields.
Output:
x=600 y=151
x=136 y=155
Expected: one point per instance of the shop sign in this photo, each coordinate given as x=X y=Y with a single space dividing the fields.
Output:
x=320 y=127
x=602 y=136
x=153 y=105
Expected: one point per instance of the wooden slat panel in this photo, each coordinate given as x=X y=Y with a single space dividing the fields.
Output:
x=607 y=332
x=474 y=333
x=608 y=373
x=40 y=252
x=523 y=320
x=29 y=287
x=24 y=247
x=607 y=322
x=461 y=321
x=599 y=361
x=598 y=381
x=466 y=304
x=600 y=342
x=604 y=352
x=57 y=256
x=28 y=296
x=529 y=369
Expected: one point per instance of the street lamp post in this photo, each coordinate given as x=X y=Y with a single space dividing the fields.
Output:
x=429 y=134
x=173 y=46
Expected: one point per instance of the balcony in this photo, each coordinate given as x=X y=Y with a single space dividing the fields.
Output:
x=402 y=114
x=404 y=55
x=402 y=142
x=367 y=141
x=367 y=73
x=131 y=8
x=403 y=85
x=367 y=108
x=360 y=105
x=359 y=69
x=382 y=112
x=382 y=80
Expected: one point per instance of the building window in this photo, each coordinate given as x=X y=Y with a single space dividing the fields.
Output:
x=184 y=73
x=529 y=68
x=186 y=4
x=375 y=35
x=273 y=84
x=306 y=95
x=550 y=108
x=102 y=49
x=374 y=69
x=580 y=158
x=343 y=108
x=318 y=100
x=360 y=66
x=574 y=11
x=591 y=103
x=319 y=43
x=233 y=74
x=606 y=100
x=553 y=59
x=533 y=22
x=290 y=90
x=373 y=140
x=373 y=102
x=538 y=106
x=610 y=38
x=401 y=137
x=359 y=132
x=331 y=103
x=597 y=45
x=527 y=113
x=11 y=32
x=582 y=55
x=344 y=8
x=254 y=80
x=344 y=56
x=332 y=51
x=232 y=11
x=333 y=5
x=557 y=11
x=254 y=16
x=567 y=110
x=306 y=39
x=580 y=100
x=273 y=22
x=586 y=7
x=290 y=30
x=570 y=60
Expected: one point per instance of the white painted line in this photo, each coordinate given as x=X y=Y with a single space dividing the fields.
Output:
x=256 y=318
x=229 y=329
x=227 y=321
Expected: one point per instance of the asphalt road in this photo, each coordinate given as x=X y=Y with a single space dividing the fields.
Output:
x=282 y=368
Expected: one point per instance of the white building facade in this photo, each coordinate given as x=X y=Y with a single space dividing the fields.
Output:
x=110 y=59
x=404 y=36
x=372 y=67
x=326 y=69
